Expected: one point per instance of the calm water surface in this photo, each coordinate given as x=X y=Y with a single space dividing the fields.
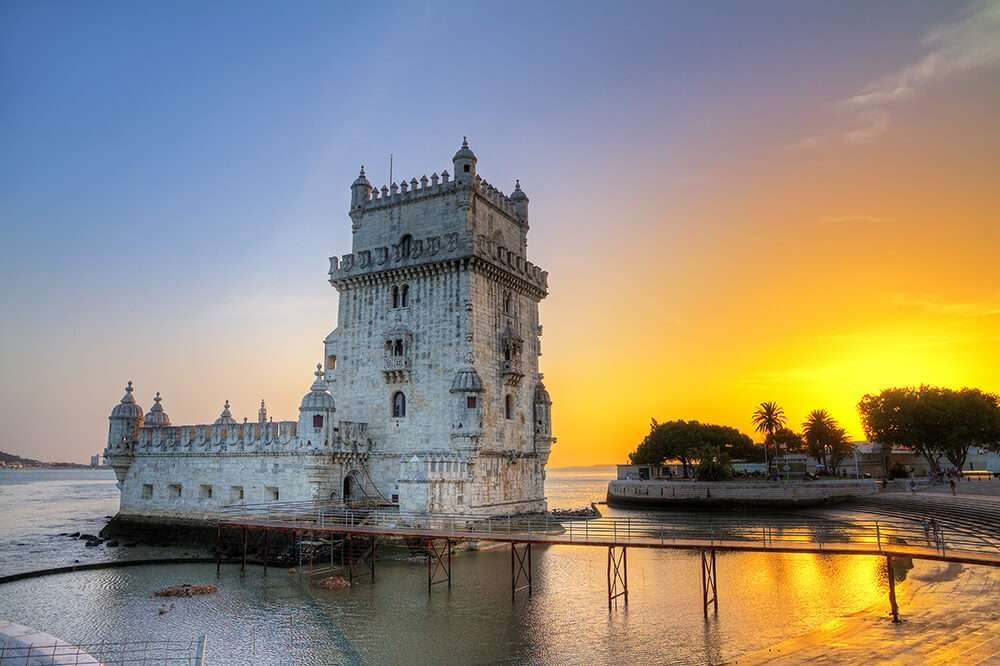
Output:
x=280 y=619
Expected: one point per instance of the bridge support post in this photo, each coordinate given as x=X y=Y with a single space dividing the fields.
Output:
x=265 y=550
x=520 y=568
x=243 y=563
x=617 y=575
x=438 y=559
x=892 y=588
x=709 y=591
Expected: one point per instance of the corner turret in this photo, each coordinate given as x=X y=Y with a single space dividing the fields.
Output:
x=123 y=432
x=520 y=201
x=465 y=164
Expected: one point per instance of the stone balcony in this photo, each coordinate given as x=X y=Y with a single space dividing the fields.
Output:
x=396 y=369
x=511 y=371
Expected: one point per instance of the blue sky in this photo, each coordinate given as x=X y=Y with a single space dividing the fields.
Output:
x=174 y=175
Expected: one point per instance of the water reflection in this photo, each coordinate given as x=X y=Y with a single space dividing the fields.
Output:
x=281 y=619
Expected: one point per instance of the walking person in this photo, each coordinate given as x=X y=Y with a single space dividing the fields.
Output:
x=951 y=482
x=913 y=486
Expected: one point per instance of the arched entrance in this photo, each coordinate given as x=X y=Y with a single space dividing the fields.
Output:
x=352 y=487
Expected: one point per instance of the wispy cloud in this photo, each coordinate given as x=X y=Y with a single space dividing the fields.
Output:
x=947 y=308
x=969 y=44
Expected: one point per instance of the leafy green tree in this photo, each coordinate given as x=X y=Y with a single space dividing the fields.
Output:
x=787 y=440
x=937 y=423
x=713 y=465
x=817 y=430
x=684 y=441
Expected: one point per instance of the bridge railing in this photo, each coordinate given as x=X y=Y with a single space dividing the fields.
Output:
x=880 y=534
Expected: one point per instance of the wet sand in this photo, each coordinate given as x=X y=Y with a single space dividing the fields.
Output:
x=950 y=615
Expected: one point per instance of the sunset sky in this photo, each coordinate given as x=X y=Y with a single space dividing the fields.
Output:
x=738 y=202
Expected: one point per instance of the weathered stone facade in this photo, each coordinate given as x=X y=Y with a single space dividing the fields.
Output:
x=430 y=398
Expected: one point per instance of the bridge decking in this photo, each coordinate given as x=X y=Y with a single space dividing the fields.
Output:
x=893 y=538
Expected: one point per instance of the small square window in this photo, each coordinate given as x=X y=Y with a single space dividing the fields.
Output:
x=236 y=494
x=205 y=491
x=466 y=168
x=174 y=490
x=317 y=420
x=272 y=493
x=470 y=402
x=147 y=491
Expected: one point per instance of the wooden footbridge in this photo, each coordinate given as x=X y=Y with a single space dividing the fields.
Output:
x=360 y=531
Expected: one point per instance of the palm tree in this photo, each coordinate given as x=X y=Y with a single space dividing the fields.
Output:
x=768 y=418
x=818 y=429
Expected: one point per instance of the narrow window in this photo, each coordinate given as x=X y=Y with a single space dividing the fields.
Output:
x=331 y=362
x=272 y=493
x=147 y=491
x=508 y=406
x=404 y=246
x=317 y=421
x=506 y=303
x=470 y=402
x=395 y=296
x=174 y=490
x=397 y=349
x=465 y=168
x=236 y=494
x=404 y=296
x=398 y=405
x=205 y=492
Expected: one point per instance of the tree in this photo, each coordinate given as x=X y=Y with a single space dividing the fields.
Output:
x=685 y=441
x=817 y=429
x=713 y=465
x=937 y=423
x=768 y=419
x=838 y=447
x=786 y=440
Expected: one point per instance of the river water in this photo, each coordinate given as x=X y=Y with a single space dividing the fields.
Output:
x=281 y=619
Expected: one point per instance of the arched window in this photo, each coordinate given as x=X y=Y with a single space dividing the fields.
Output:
x=404 y=246
x=398 y=405
x=508 y=406
x=395 y=296
x=397 y=348
x=507 y=303
x=404 y=296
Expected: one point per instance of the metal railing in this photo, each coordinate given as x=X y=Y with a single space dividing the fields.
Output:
x=105 y=653
x=881 y=534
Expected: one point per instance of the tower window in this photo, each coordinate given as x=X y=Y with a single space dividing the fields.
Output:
x=470 y=402
x=395 y=296
x=507 y=305
x=465 y=168
x=147 y=491
x=404 y=296
x=508 y=406
x=205 y=491
x=331 y=362
x=317 y=421
x=398 y=405
x=404 y=246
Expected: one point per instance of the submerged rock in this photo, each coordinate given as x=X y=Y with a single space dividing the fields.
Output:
x=333 y=583
x=186 y=590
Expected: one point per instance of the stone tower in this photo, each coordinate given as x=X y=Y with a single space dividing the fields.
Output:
x=437 y=343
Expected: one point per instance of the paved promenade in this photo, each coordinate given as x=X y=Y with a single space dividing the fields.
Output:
x=950 y=616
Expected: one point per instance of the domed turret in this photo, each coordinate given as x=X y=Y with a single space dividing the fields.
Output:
x=542 y=395
x=123 y=432
x=467 y=381
x=360 y=190
x=520 y=201
x=316 y=413
x=156 y=417
x=465 y=163
x=319 y=397
x=226 y=417
x=127 y=408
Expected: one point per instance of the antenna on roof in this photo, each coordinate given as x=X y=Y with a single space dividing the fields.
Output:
x=390 y=167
